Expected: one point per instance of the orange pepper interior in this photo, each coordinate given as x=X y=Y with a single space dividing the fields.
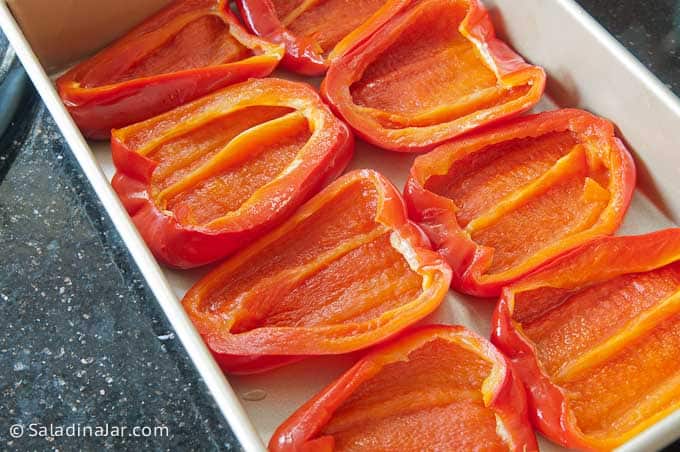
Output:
x=211 y=167
x=430 y=73
x=521 y=196
x=432 y=397
x=336 y=266
x=611 y=346
x=324 y=22
x=182 y=45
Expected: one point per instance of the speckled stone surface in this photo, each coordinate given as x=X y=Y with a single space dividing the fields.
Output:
x=83 y=341
x=650 y=29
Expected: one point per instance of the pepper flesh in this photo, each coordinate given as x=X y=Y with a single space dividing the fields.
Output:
x=348 y=270
x=605 y=316
x=502 y=203
x=434 y=388
x=187 y=50
x=314 y=32
x=426 y=72
x=207 y=178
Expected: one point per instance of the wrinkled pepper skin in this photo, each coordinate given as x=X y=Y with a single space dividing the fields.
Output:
x=346 y=271
x=207 y=178
x=427 y=72
x=433 y=388
x=503 y=202
x=594 y=337
x=187 y=50
x=314 y=32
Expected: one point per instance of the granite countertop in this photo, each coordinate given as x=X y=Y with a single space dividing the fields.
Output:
x=84 y=341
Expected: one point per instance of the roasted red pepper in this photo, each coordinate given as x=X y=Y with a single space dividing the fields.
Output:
x=595 y=338
x=435 y=388
x=207 y=178
x=313 y=31
x=187 y=50
x=348 y=270
x=432 y=70
x=503 y=202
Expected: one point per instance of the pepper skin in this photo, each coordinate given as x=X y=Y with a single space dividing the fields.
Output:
x=187 y=50
x=433 y=71
x=347 y=271
x=505 y=201
x=313 y=32
x=434 y=388
x=594 y=336
x=207 y=178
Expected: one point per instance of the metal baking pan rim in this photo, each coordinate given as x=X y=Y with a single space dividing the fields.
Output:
x=658 y=435
x=214 y=378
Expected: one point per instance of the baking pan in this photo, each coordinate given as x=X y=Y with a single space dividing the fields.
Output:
x=587 y=69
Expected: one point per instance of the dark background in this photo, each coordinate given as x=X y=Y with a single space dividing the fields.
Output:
x=83 y=339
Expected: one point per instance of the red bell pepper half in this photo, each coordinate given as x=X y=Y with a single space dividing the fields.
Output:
x=207 y=178
x=346 y=271
x=434 y=388
x=503 y=202
x=422 y=72
x=595 y=338
x=190 y=48
x=313 y=31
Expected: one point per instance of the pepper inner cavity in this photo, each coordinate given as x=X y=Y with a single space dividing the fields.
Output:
x=435 y=394
x=520 y=196
x=336 y=266
x=324 y=22
x=205 y=41
x=220 y=164
x=589 y=339
x=431 y=73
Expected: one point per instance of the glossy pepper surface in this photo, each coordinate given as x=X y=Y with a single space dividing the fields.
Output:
x=207 y=178
x=185 y=51
x=503 y=202
x=434 y=388
x=595 y=337
x=314 y=32
x=346 y=271
x=428 y=71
